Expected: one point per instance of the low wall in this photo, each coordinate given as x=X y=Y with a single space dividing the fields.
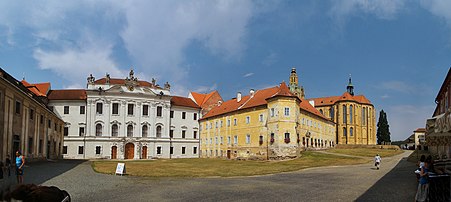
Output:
x=350 y=146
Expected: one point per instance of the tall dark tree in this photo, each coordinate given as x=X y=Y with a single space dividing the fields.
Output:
x=383 y=130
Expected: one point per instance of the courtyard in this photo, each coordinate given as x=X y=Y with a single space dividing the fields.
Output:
x=394 y=182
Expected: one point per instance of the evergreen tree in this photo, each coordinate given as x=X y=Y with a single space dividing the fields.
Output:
x=383 y=131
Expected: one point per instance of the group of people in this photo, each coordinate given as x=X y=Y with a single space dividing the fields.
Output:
x=5 y=168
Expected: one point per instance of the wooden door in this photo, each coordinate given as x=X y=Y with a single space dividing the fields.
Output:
x=228 y=154
x=114 y=152
x=144 y=152
x=129 y=151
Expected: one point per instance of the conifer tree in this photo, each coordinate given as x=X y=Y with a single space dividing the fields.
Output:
x=383 y=131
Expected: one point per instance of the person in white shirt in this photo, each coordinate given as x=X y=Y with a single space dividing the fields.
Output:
x=377 y=161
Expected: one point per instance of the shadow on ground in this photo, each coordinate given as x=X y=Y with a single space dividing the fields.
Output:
x=40 y=172
x=400 y=184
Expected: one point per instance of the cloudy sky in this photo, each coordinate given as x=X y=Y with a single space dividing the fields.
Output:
x=397 y=51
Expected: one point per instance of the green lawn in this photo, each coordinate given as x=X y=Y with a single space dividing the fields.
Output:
x=367 y=152
x=221 y=167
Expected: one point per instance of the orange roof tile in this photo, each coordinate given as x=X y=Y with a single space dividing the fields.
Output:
x=326 y=101
x=183 y=101
x=70 y=94
x=259 y=98
x=420 y=130
x=200 y=98
x=39 y=89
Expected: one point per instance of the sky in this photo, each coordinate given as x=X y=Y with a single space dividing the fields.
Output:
x=397 y=51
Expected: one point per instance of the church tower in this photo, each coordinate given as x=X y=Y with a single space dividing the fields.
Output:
x=350 y=87
x=294 y=84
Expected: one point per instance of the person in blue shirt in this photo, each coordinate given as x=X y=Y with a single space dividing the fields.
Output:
x=20 y=162
x=423 y=183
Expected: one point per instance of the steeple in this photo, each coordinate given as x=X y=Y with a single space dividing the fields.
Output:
x=294 y=86
x=350 y=87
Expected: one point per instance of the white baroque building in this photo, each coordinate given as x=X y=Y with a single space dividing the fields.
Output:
x=126 y=119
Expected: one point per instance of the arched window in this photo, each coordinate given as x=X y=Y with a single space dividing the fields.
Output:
x=331 y=113
x=344 y=114
x=351 y=131
x=114 y=130
x=99 y=129
x=144 y=131
x=130 y=130
x=321 y=111
x=344 y=132
x=350 y=114
x=158 y=131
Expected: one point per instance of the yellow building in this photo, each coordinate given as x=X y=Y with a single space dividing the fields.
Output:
x=354 y=116
x=270 y=123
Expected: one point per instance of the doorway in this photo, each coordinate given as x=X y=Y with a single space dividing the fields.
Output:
x=228 y=154
x=114 y=152
x=129 y=151
x=144 y=152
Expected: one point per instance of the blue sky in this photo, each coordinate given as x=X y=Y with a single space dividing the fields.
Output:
x=397 y=51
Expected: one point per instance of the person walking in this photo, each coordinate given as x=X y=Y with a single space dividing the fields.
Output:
x=423 y=185
x=377 y=161
x=20 y=162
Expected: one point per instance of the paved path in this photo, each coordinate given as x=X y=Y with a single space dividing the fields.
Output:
x=395 y=181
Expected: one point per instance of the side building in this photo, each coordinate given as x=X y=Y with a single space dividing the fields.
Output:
x=26 y=122
x=270 y=123
x=354 y=116
x=126 y=119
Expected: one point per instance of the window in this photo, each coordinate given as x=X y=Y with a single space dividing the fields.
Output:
x=145 y=110
x=351 y=131
x=80 y=149
x=98 y=149
x=41 y=144
x=171 y=150
x=171 y=133
x=18 y=106
x=321 y=111
x=344 y=131
x=183 y=133
x=272 y=112
x=183 y=115
x=159 y=111
x=159 y=150
x=216 y=124
x=220 y=123
x=195 y=134
x=248 y=119
x=130 y=109
x=171 y=114
x=158 y=131
x=99 y=108
x=287 y=111
x=228 y=140
x=194 y=150
x=363 y=116
x=115 y=108
x=222 y=140
x=114 y=130
x=130 y=130
x=64 y=149
x=82 y=109
x=228 y=122
x=183 y=150
x=260 y=139
x=30 y=145
x=344 y=114
x=195 y=116
x=145 y=128
x=287 y=136
x=235 y=139
x=81 y=131
x=248 y=139
x=98 y=129
x=331 y=113
x=66 y=109
x=41 y=120
x=216 y=140
x=66 y=131
x=234 y=122
x=350 y=113
x=31 y=114
x=260 y=118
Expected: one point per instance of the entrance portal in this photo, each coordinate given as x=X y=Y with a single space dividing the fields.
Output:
x=129 y=151
x=228 y=154
x=114 y=152
x=144 y=153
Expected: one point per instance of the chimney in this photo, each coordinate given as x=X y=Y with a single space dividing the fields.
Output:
x=312 y=102
x=252 y=92
x=238 y=97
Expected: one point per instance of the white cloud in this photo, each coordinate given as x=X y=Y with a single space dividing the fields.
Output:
x=440 y=8
x=397 y=86
x=248 y=74
x=404 y=119
x=385 y=96
x=270 y=59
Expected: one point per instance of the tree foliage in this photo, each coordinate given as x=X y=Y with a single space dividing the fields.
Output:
x=383 y=130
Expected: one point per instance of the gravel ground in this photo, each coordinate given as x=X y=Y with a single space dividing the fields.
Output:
x=395 y=181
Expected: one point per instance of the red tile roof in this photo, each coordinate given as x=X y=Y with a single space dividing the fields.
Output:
x=202 y=98
x=184 y=102
x=327 y=101
x=102 y=81
x=39 y=89
x=71 y=94
x=420 y=130
x=260 y=98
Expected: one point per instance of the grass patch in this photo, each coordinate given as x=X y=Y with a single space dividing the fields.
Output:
x=222 y=167
x=367 y=152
